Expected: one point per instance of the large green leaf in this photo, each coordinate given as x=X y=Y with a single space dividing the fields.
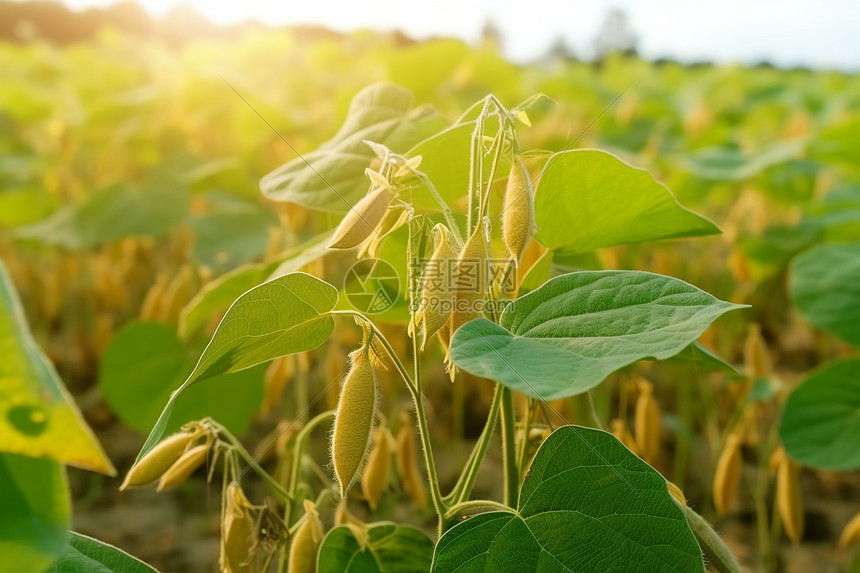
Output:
x=821 y=421
x=87 y=555
x=825 y=286
x=570 y=334
x=331 y=178
x=391 y=548
x=112 y=213
x=587 y=505
x=145 y=362
x=35 y=510
x=284 y=315
x=587 y=199
x=39 y=417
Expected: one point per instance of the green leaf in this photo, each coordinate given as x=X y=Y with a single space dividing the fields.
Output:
x=838 y=143
x=821 y=421
x=279 y=317
x=588 y=199
x=391 y=548
x=87 y=555
x=700 y=358
x=539 y=273
x=837 y=216
x=113 y=213
x=331 y=178
x=232 y=235
x=219 y=294
x=23 y=206
x=38 y=417
x=570 y=334
x=282 y=316
x=446 y=162
x=825 y=286
x=145 y=362
x=772 y=249
x=732 y=164
x=36 y=509
x=587 y=505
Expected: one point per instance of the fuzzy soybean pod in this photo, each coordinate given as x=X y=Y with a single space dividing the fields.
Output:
x=407 y=463
x=728 y=475
x=237 y=530
x=676 y=492
x=437 y=293
x=353 y=422
x=276 y=378
x=518 y=220
x=362 y=219
x=306 y=542
x=183 y=467
x=648 y=423
x=851 y=533
x=149 y=309
x=374 y=479
x=158 y=459
x=620 y=431
x=788 y=499
x=756 y=355
x=177 y=293
x=470 y=280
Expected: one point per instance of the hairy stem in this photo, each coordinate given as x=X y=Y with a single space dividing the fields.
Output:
x=716 y=553
x=252 y=463
x=446 y=210
x=476 y=505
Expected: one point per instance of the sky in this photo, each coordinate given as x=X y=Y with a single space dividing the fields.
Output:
x=815 y=33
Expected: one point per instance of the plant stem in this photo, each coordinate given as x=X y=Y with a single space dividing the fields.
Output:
x=477 y=504
x=463 y=487
x=300 y=388
x=476 y=163
x=418 y=399
x=594 y=415
x=524 y=441
x=509 y=457
x=497 y=143
x=301 y=438
x=446 y=210
x=252 y=463
x=718 y=555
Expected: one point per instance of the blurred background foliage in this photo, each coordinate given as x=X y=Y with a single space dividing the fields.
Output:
x=130 y=169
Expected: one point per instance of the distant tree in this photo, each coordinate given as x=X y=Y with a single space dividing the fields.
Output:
x=560 y=51
x=615 y=35
x=491 y=35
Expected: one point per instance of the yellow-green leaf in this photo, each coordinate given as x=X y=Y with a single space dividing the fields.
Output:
x=38 y=417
